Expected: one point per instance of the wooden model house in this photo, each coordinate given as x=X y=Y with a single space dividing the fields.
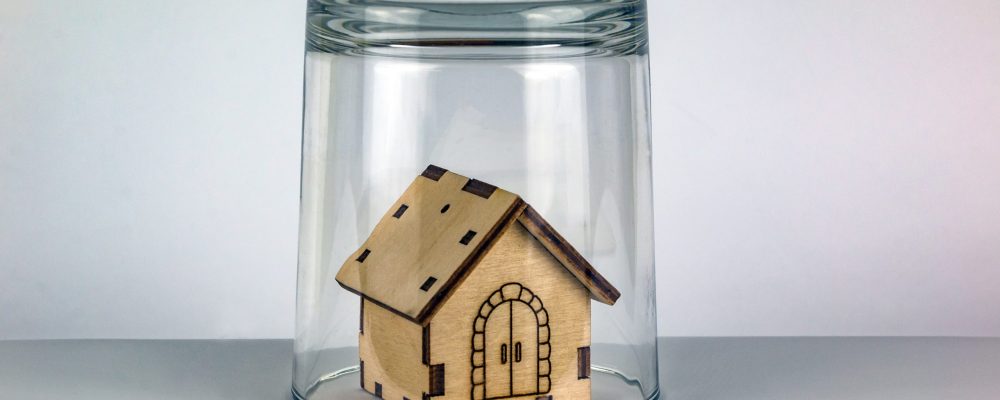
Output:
x=467 y=293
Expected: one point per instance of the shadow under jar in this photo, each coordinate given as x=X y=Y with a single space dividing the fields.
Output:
x=546 y=99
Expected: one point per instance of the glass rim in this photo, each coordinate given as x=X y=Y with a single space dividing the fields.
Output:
x=471 y=29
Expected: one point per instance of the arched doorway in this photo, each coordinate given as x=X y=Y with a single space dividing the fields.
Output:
x=510 y=345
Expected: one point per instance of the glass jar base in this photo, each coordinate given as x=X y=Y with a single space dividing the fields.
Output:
x=608 y=384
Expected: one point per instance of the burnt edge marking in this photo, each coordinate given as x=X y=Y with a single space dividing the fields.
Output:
x=363 y=256
x=426 y=345
x=378 y=390
x=428 y=283
x=479 y=188
x=485 y=245
x=433 y=172
x=399 y=212
x=583 y=363
x=581 y=268
x=362 y=374
x=436 y=380
x=467 y=237
x=480 y=328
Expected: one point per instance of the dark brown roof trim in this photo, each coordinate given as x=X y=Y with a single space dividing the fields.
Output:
x=600 y=288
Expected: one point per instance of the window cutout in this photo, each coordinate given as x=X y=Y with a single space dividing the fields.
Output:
x=400 y=211
x=364 y=255
x=428 y=283
x=445 y=208
x=378 y=390
x=468 y=237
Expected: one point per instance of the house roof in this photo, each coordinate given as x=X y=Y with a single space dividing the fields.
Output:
x=436 y=233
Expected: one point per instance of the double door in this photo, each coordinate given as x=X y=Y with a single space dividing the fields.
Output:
x=511 y=351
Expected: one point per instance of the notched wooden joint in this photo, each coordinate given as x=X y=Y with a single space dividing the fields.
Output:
x=428 y=283
x=468 y=237
x=426 y=345
x=364 y=255
x=479 y=188
x=400 y=211
x=583 y=363
x=433 y=172
x=437 y=380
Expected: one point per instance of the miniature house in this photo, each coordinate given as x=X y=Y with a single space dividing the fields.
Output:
x=467 y=293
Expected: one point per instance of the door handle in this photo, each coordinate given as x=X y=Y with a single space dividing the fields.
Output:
x=517 y=352
x=503 y=353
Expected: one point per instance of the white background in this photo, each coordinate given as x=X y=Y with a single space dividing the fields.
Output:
x=827 y=167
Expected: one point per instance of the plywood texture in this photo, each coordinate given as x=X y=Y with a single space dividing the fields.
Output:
x=391 y=350
x=425 y=243
x=519 y=293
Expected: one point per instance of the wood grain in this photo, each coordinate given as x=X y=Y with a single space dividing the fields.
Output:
x=402 y=253
x=516 y=257
x=391 y=351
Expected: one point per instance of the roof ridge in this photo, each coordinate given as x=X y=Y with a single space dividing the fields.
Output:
x=487 y=215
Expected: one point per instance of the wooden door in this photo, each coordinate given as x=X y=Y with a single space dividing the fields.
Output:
x=524 y=349
x=511 y=351
x=497 y=351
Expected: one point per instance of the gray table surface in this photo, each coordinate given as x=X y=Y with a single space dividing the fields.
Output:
x=690 y=368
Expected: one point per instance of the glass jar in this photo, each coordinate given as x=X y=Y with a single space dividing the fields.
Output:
x=545 y=99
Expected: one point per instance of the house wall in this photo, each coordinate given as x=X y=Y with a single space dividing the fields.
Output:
x=397 y=364
x=516 y=257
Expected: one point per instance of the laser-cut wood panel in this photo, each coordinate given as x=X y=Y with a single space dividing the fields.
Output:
x=425 y=241
x=550 y=300
x=391 y=348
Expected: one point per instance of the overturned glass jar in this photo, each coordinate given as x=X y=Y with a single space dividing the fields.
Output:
x=476 y=215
